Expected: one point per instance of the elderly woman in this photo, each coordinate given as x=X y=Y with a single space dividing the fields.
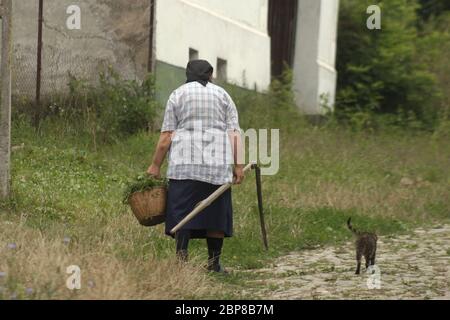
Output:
x=201 y=129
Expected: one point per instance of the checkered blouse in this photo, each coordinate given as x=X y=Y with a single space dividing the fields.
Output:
x=201 y=118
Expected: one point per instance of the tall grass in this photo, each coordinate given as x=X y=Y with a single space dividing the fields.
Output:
x=115 y=263
x=66 y=204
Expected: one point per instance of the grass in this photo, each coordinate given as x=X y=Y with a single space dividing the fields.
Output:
x=35 y=264
x=66 y=208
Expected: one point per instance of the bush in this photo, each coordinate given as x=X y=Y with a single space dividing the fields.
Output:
x=112 y=108
x=116 y=107
x=380 y=71
x=433 y=49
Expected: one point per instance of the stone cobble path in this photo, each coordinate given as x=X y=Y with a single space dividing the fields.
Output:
x=414 y=266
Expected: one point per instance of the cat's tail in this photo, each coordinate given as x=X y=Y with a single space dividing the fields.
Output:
x=349 y=225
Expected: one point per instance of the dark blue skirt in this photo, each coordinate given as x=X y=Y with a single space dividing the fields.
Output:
x=184 y=195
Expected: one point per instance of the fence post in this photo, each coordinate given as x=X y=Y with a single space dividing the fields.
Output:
x=37 y=107
x=151 y=51
x=5 y=105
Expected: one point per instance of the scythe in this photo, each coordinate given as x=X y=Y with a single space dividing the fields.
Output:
x=205 y=203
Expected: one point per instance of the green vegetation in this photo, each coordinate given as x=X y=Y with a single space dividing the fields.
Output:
x=382 y=159
x=400 y=71
x=104 y=112
x=142 y=183
x=66 y=187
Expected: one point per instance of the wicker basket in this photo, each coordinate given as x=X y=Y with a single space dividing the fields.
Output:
x=149 y=206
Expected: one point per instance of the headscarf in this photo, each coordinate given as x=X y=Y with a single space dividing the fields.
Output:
x=199 y=70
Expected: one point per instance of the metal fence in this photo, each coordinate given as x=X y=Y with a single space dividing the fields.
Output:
x=56 y=68
x=46 y=51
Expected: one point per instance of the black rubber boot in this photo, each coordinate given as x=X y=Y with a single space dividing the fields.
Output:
x=182 y=241
x=214 y=252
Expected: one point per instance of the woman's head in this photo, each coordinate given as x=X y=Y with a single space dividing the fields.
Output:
x=200 y=71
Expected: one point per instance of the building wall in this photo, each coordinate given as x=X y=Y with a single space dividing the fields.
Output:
x=315 y=53
x=168 y=78
x=112 y=33
x=253 y=14
x=116 y=33
x=217 y=29
x=327 y=50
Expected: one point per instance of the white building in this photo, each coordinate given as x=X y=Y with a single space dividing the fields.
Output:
x=248 y=42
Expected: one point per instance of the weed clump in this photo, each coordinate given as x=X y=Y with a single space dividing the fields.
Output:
x=142 y=183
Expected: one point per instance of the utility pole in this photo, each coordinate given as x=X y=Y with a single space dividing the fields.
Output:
x=5 y=105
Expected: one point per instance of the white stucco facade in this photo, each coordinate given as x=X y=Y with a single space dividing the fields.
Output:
x=237 y=31
x=315 y=54
x=230 y=30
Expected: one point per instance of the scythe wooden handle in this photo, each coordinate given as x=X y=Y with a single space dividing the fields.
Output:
x=205 y=203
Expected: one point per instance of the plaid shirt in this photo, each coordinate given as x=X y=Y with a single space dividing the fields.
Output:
x=201 y=118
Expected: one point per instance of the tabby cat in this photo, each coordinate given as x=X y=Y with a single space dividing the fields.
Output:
x=366 y=245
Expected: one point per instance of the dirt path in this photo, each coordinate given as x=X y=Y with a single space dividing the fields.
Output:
x=415 y=266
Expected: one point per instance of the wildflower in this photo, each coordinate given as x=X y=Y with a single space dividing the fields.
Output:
x=12 y=246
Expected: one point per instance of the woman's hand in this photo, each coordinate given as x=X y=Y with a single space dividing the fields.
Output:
x=238 y=174
x=154 y=171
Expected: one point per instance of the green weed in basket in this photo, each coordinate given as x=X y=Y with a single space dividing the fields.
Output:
x=142 y=183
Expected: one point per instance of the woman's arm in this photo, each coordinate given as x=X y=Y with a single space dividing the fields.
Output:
x=165 y=140
x=238 y=156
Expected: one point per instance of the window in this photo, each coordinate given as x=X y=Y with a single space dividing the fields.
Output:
x=193 y=54
x=222 y=70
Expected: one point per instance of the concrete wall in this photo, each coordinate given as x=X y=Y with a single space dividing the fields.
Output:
x=217 y=29
x=315 y=54
x=253 y=14
x=168 y=78
x=112 y=33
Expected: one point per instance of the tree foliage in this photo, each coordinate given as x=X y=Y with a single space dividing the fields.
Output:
x=432 y=8
x=388 y=71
